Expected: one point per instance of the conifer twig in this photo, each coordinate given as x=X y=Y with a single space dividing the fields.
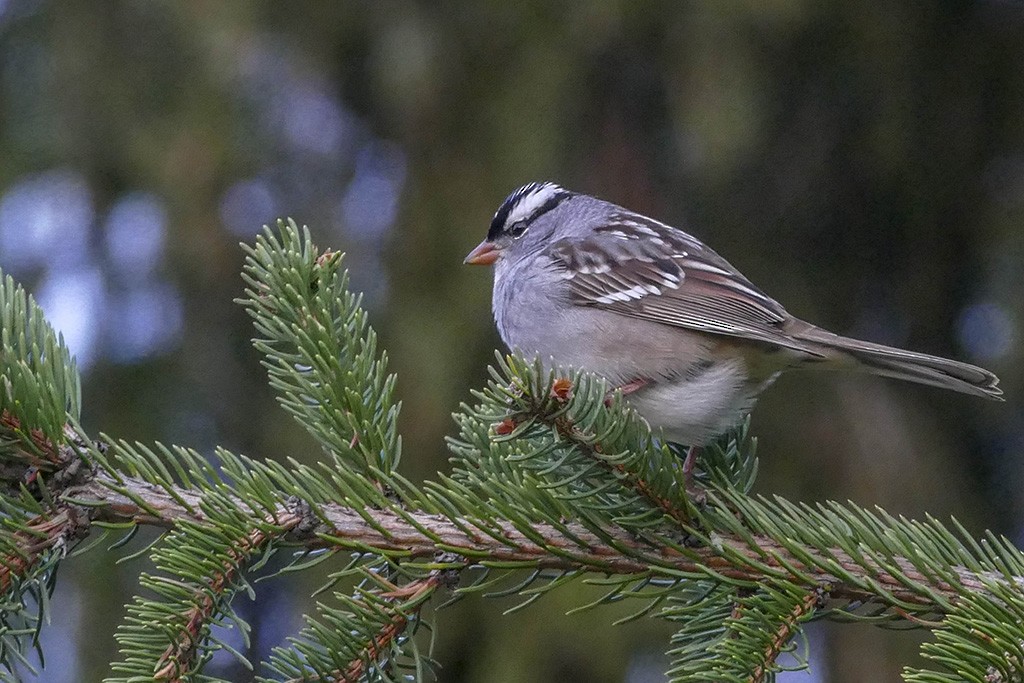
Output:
x=786 y=629
x=547 y=547
x=408 y=599
x=39 y=535
x=572 y=434
x=44 y=453
x=177 y=663
x=578 y=487
x=25 y=466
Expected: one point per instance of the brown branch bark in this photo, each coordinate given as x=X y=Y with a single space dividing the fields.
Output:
x=577 y=549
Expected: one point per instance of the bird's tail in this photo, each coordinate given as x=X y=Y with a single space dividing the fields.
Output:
x=907 y=365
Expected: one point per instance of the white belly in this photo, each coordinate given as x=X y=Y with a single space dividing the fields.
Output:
x=695 y=410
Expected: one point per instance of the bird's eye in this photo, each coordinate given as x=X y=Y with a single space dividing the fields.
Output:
x=517 y=230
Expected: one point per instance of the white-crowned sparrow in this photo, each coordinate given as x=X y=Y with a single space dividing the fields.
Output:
x=691 y=341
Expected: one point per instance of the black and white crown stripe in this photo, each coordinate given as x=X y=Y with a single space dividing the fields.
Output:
x=526 y=205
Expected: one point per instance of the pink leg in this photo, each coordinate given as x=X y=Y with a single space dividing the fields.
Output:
x=627 y=389
x=689 y=462
x=636 y=385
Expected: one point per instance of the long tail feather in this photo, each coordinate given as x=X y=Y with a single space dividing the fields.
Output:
x=910 y=365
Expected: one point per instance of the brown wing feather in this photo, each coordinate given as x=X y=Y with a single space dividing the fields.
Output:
x=641 y=268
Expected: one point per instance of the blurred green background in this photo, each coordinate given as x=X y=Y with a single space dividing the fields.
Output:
x=863 y=162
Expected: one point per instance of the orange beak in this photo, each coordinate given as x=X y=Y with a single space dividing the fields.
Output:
x=485 y=254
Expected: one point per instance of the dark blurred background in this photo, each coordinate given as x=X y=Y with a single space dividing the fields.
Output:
x=863 y=162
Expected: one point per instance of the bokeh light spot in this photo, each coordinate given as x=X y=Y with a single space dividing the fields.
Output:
x=44 y=220
x=247 y=205
x=986 y=331
x=135 y=233
x=144 y=322
x=370 y=204
x=315 y=122
x=74 y=301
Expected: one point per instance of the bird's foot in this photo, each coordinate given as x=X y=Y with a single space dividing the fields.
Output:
x=695 y=492
x=627 y=389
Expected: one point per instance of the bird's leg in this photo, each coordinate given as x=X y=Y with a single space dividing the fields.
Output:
x=691 y=459
x=636 y=385
x=627 y=388
x=688 y=464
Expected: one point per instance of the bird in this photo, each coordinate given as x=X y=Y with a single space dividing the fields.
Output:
x=689 y=341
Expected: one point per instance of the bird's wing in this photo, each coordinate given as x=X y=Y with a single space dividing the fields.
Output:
x=641 y=268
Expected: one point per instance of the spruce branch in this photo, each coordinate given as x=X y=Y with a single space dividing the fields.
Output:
x=396 y=610
x=320 y=352
x=39 y=393
x=736 y=635
x=34 y=467
x=418 y=535
x=37 y=537
x=31 y=548
x=39 y=384
x=409 y=536
x=404 y=605
x=178 y=661
x=767 y=619
x=226 y=523
x=626 y=470
x=784 y=632
x=553 y=478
